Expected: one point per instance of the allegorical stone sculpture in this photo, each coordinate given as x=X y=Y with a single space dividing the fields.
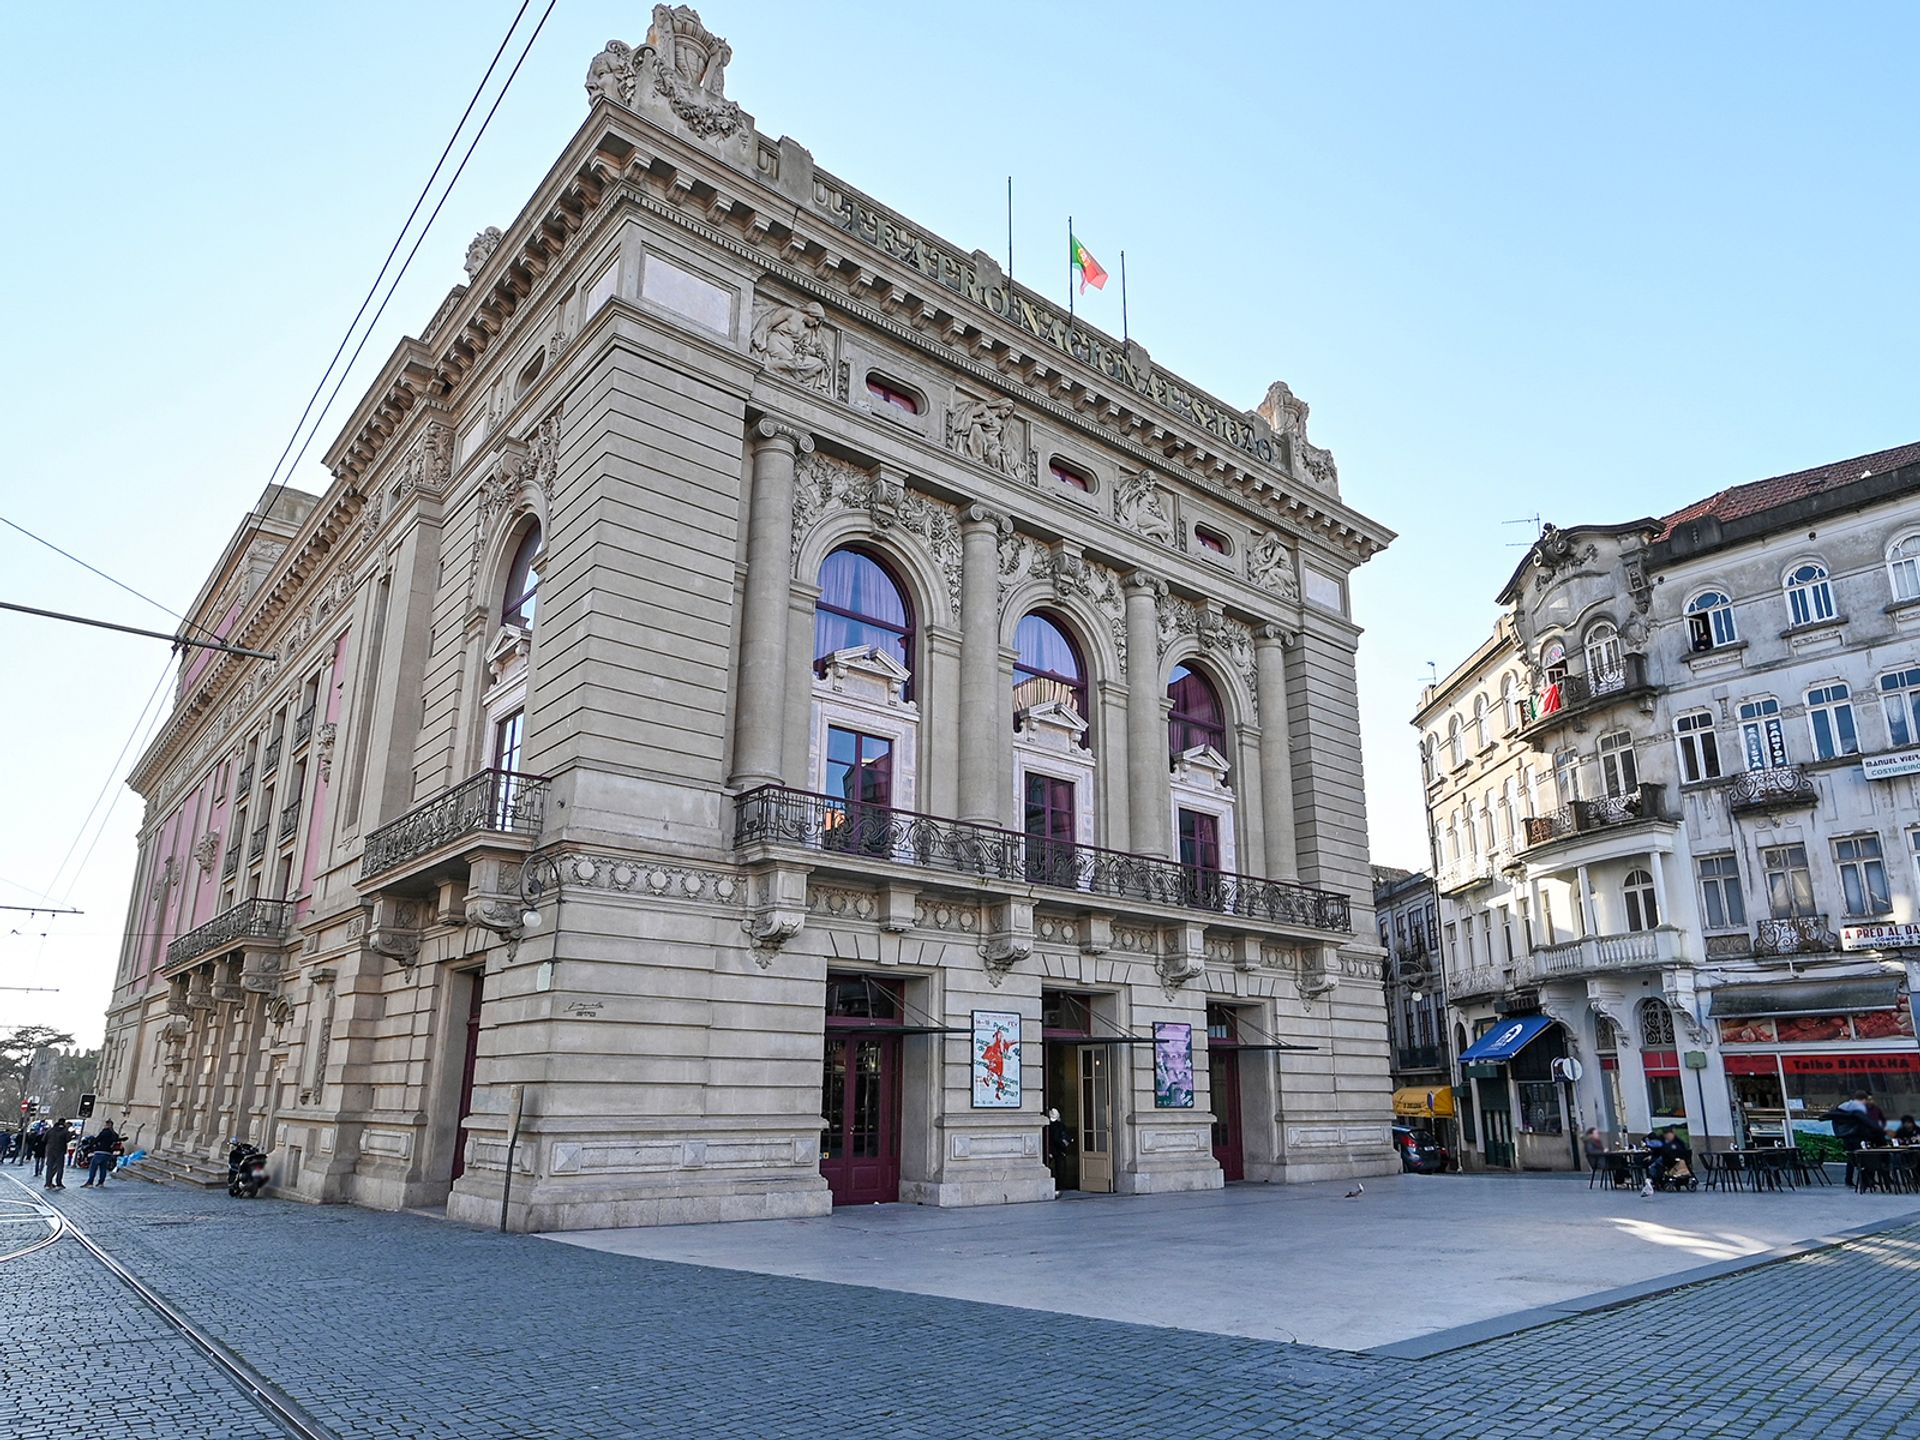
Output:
x=792 y=340
x=481 y=250
x=683 y=63
x=1139 y=508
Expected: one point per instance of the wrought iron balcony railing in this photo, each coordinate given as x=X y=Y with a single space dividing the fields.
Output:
x=775 y=815
x=272 y=758
x=1419 y=1057
x=254 y=919
x=257 y=842
x=303 y=726
x=289 y=818
x=243 y=782
x=1798 y=935
x=1783 y=787
x=496 y=802
x=1584 y=816
x=230 y=866
x=1572 y=694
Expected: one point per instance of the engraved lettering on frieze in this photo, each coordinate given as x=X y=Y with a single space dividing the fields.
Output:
x=480 y=250
x=1270 y=566
x=794 y=341
x=979 y=430
x=1139 y=507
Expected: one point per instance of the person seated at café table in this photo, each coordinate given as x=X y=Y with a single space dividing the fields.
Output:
x=1678 y=1156
x=1904 y=1131
x=1656 y=1152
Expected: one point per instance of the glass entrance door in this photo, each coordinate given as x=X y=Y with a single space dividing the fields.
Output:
x=860 y=1100
x=1096 y=1119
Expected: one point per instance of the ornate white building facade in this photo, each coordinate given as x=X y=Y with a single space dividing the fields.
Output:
x=1709 y=889
x=767 y=714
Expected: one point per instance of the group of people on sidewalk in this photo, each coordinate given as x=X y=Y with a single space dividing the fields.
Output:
x=48 y=1146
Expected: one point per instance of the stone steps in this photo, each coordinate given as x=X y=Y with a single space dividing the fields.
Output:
x=170 y=1169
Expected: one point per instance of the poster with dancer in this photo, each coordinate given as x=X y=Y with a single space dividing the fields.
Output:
x=996 y=1060
x=1172 y=1065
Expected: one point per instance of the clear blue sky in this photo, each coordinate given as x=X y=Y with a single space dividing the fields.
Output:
x=1585 y=262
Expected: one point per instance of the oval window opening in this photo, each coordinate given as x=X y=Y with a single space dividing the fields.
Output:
x=1210 y=539
x=890 y=393
x=1071 y=476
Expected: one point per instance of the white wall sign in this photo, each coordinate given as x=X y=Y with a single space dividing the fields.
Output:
x=1902 y=935
x=1886 y=767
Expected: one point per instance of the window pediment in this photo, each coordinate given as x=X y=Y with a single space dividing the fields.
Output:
x=1052 y=724
x=1202 y=768
x=508 y=652
x=865 y=672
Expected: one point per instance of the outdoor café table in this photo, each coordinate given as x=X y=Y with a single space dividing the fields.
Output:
x=1621 y=1162
x=1884 y=1167
x=1769 y=1165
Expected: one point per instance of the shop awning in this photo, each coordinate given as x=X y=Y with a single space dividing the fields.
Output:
x=1423 y=1102
x=1808 y=997
x=1506 y=1039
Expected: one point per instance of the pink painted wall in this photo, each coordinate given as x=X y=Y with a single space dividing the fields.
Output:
x=157 y=914
x=203 y=658
x=322 y=784
x=206 y=902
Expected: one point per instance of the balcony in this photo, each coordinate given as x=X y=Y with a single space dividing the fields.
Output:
x=254 y=919
x=1798 y=935
x=243 y=782
x=230 y=866
x=1604 y=954
x=1583 y=817
x=1464 y=874
x=1577 y=695
x=497 y=804
x=303 y=726
x=1467 y=984
x=1419 y=1057
x=271 y=760
x=1784 y=787
x=257 y=842
x=775 y=816
x=289 y=818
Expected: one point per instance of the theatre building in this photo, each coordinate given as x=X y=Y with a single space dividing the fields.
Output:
x=768 y=714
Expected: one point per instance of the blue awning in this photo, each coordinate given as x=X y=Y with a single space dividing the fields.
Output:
x=1506 y=1039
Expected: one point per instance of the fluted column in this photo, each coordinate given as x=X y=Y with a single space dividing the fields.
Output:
x=1276 y=753
x=983 y=709
x=1148 y=794
x=760 y=694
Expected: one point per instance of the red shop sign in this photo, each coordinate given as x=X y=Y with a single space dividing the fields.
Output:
x=1660 y=1062
x=1848 y=1064
x=1750 y=1064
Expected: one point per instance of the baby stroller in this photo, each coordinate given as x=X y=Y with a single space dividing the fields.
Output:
x=1678 y=1175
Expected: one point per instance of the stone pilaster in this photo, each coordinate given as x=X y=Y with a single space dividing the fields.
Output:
x=981 y=703
x=1276 y=754
x=758 y=728
x=1148 y=795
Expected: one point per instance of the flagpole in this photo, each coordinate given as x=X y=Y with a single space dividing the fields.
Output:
x=1009 y=230
x=1124 y=337
x=1069 y=267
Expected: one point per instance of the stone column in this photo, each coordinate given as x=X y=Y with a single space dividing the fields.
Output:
x=983 y=709
x=762 y=685
x=1276 y=753
x=1148 y=794
x=1589 y=916
x=1661 y=900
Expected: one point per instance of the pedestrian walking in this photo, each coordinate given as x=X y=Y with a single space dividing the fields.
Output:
x=59 y=1136
x=100 y=1162
x=37 y=1147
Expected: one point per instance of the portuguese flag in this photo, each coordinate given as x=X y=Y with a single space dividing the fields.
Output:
x=1089 y=268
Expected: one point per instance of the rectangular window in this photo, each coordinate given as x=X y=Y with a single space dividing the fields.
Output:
x=1830 y=716
x=1699 y=746
x=1863 y=874
x=1200 y=854
x=1566 y=775
x=860 y=776
x=1664 y=1098
x=1789 y=884
x=1724 y=907
x=508 y=732
x=1050 y=828
x=1900 y=697
x=1618 y=772
x=1540 y=1107
x=1762 y=739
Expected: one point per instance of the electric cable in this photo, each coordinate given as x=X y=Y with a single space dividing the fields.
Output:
x=13 y=525
x=114 y=771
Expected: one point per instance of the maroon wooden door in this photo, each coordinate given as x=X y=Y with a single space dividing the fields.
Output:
x=476 y=986
x=860 y=1099
x=1223 y=1080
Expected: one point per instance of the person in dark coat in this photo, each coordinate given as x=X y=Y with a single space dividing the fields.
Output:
x=100 y=1162
x=37 y=1148
x=59 y=1136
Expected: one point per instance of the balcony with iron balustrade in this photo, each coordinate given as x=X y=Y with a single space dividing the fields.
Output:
x=1797 y=935
x=1475 y=982
x=289 y=819
x=251 y=922
x=271 y=760
x=1780 y=787
x=1575 y=696
x=1419 y=1057
x=491 y=811
x=303 y=727
x=869 y=841
x=230 y=866
x=1646 y=804
x=1456 y=876
x=257 y=842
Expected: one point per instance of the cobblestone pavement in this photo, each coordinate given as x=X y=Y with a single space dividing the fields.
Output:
x=400 y=1326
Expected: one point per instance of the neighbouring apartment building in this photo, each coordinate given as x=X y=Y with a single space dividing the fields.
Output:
x=1675 y=814
x=1406 y=918
x=768 y=713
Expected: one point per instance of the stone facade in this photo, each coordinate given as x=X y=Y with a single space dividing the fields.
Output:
x=541 y=814
x=1686 y=831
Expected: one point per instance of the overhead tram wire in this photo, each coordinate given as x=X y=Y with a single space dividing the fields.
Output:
x=276 y=486
x=113 y=771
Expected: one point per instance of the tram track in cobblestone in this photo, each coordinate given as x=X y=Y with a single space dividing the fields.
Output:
x=269 y=1398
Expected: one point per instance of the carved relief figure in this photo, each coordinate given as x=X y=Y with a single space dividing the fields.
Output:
x=480 y=250
x=1287 y=413
x=792 y=340
x=980 y=432
x=610 y=75
x=1139 y=508
x=1270 y=566
x=690 y=69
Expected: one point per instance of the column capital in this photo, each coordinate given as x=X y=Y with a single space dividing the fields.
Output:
x=976 y=518
x=1145 y=582
x=770 y=430
x=1276 y=635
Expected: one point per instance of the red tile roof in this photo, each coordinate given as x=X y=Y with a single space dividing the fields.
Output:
x=1758 y=495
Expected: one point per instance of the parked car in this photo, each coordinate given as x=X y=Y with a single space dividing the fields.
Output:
x=1420 y=1153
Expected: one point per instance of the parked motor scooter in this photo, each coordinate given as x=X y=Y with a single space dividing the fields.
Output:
x=246 y=1170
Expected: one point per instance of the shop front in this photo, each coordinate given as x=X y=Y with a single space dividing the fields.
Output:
x=1519 y=1096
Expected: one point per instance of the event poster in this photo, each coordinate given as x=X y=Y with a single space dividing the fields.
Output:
x=996 y=1060
x=1172 y=1065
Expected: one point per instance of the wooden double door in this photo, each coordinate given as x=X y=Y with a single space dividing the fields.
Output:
x=860 y=1102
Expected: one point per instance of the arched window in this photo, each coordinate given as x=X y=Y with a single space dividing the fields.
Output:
x=1047 y=666
x=1603 y=657
x=1553 y=661
x=1606 y=1039
x=1456 y=744
x=1656 y=1024
x=1809 y=597
x=1710 y=620
x=1197 y=717
x=1903 y=567
x=1480 y=737
x=1643 y=910
x=861 y=604
x=1508 y=718
x=522 y=591
x=1426 y=758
